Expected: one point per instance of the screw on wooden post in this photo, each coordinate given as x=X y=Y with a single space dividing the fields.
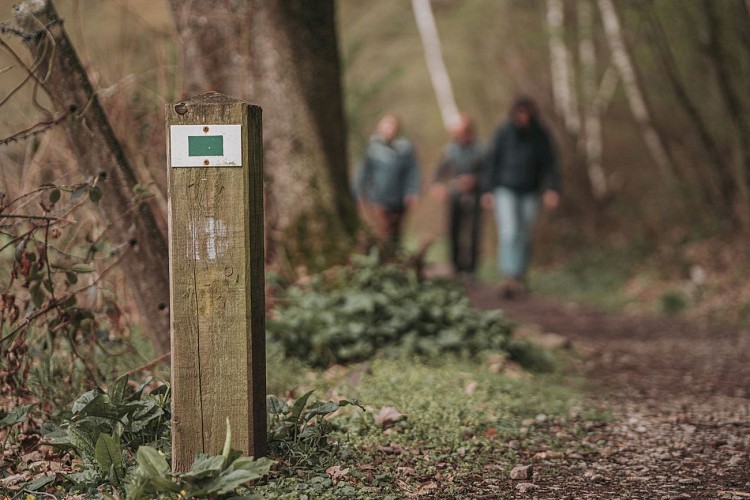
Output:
x=215 y=155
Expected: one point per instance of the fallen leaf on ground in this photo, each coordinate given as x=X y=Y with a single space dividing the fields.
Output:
x=387 y=416
x=337 y=473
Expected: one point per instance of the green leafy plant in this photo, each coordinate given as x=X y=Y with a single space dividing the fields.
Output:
x=300 y=434
x=210 y=476
x=105 y=429
x=350 y=313
x=16 y=416
x=673 y=302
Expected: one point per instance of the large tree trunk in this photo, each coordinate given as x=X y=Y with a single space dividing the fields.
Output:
x=296 y=78
x=563 y=84
x=592 y=129
x=100 y=155
x=297 y=70
x=213 y=46
x=441 y=82
x=638 y=107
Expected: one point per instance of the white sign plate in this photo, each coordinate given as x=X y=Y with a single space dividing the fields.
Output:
x=205 y=145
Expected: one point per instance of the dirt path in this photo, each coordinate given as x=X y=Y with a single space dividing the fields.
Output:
x=679 y=394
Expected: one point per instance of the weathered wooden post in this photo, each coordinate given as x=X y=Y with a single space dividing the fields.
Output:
x=215 y=156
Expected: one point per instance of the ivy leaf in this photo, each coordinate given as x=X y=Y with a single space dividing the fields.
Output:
x=82 y=441
x=275 y=405
x=300 y=404
x=78 y=192
x=86 y=399
x=37 y=294
x=320 y=409
x=82 y=268
x=117 y=392
x=227 y=445
x=151 y=463
x=54 y=196
x=204 y=466
x=139 y=390
x=227 y=482
x=95 y=194
x=16 y=416
x=260 y=466
x=38 y=483
x=109 y=455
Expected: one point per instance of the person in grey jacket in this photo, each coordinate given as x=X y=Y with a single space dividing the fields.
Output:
x=387 y=180
x=457 y=182
x=521 y=174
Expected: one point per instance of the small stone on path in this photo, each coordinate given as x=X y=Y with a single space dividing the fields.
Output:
x=525 y=487
x=522 y=472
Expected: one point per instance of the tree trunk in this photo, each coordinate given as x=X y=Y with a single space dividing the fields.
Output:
x=145 y=262
x=723 y=197
x=730 y=96
x=638 y=107
x=563 y=79
x=606 y=90
x=441 y=82
x=295 y=71
x=592 y=130
x=213 y=46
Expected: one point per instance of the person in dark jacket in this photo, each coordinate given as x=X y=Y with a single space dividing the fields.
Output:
x=521 y=173
x=387 y=180
x=457 y=182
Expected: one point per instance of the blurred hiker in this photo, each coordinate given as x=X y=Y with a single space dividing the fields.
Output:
x=521 y=172
x=387 y=181
x=457 y=182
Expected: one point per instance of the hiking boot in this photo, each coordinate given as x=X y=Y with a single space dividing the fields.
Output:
x=513 y=288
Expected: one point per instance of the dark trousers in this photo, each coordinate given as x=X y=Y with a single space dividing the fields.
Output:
x=463 y=225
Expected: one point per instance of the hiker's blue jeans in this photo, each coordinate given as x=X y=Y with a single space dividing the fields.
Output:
x=515 y=215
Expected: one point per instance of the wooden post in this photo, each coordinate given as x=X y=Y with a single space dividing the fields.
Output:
x=215 y=156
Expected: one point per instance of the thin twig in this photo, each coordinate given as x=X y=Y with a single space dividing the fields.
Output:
x=72 y=342
x=48 y=218
x=148 y=365
x=36 y=129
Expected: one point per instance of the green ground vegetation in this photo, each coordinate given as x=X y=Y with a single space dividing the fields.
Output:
x=390 y=422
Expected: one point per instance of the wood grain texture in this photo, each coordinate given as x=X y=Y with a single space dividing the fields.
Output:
x=217 y=290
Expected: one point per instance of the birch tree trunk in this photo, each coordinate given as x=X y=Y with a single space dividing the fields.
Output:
x=563 y=80
x=633 y=92
x=435 y=64
x=592 y=129
x=606 y=90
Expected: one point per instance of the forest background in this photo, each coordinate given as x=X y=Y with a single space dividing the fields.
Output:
x=639 y=227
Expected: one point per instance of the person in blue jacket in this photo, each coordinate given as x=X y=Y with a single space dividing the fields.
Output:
x=387 y=180
x=521 y=174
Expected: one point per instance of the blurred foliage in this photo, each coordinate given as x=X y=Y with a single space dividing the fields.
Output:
x=674 y=301
x=351 y=313
x=104 y=430
x=57 y=308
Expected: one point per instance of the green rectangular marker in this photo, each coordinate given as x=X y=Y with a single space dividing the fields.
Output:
x=205 y=145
